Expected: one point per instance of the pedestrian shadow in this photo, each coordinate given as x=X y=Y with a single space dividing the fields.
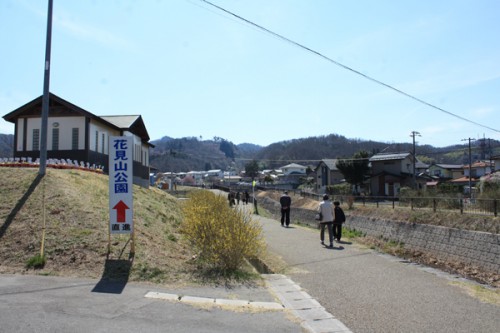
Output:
x=338 y=248
x=19 y=205
x=115 y=276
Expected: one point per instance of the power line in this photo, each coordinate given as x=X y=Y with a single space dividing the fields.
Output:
x=346 y=67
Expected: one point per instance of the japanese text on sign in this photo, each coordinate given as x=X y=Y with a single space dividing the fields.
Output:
x=120 y=184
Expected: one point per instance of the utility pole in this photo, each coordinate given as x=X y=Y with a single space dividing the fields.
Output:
x=45 y=98
x=470 y=165
x=413 y=135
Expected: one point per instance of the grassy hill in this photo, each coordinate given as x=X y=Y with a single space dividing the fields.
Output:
x=74 y=205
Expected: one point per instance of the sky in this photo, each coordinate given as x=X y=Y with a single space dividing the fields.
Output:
x=192 y=70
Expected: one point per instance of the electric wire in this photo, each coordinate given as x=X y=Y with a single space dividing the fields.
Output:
x=301 y=46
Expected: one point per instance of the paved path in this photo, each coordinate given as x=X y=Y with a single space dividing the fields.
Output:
x=345 y=289
x=46 y=304
x=369 y=292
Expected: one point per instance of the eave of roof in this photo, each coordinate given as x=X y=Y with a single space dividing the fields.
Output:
x=389 y=157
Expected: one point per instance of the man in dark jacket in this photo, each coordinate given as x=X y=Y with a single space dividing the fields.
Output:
x=337 y=221
x=285 y=202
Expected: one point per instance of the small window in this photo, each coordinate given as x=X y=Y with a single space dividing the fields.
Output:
x=74 y=138
x=96 y=141
x=55 y=139
x=36 y=139
x=103 y=141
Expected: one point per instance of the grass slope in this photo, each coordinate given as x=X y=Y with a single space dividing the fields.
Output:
x=76 y=217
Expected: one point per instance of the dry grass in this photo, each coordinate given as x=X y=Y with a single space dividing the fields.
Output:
x=76 y=217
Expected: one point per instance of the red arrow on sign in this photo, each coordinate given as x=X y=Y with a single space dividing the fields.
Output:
x=120 y=211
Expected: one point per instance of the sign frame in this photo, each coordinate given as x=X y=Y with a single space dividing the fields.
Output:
x=121 y=161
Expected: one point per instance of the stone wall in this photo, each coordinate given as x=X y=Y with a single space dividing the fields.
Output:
x=297 y=215
x=480 y=249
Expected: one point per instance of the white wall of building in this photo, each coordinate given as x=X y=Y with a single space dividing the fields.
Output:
x=65 y=126
x=100 y=133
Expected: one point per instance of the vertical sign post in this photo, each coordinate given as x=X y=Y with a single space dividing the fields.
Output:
x=253 y=191
x=120 y=188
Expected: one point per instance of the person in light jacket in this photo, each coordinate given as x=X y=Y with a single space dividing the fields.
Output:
x=326 y=210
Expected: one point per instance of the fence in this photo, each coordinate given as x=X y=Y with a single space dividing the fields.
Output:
x=478 y=250
x=463 y=205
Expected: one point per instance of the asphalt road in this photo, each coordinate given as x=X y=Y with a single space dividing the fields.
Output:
x=369 y=292
x=54 y=304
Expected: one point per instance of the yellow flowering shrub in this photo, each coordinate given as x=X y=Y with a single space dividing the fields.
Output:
x=223 y=236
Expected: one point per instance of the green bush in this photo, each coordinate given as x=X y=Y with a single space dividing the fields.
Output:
x=36 y=262
x=223 y=236
x=339 y=189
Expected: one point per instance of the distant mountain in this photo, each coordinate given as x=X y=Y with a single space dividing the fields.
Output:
x=309 y=150
x=192 y=153
x=6 y=145
x=248 y=149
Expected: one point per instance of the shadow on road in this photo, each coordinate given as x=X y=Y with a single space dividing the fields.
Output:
x=114 y=277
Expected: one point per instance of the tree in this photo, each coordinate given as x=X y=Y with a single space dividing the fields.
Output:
x=354 y=170
x=227 y=148
x=268 y=179
x=252 y=169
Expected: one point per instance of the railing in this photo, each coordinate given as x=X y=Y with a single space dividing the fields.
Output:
x=463 y=205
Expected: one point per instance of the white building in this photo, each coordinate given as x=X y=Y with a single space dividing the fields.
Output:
x=76 y=134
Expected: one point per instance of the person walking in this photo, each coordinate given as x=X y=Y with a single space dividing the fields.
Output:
x=246 y=197
x=339 y=219
x=326 y=212
x=285 y=202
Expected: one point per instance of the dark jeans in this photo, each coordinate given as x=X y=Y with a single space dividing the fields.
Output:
x=322 y=226
x=285 y=216
x=337 y=231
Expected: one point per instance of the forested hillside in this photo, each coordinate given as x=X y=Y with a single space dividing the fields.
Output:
x=337 y=146
x=6 y=145
x=192 y=153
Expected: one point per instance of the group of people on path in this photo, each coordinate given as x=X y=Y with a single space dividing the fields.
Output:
x=234 y=198
x=331 y=217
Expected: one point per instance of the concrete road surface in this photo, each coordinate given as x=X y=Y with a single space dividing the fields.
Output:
x=50 y=304
x=370 y=292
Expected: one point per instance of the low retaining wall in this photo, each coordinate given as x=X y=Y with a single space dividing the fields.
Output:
x=480 y=249
x=297 y=215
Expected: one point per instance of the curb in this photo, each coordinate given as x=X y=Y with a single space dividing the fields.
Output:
x=269 y=306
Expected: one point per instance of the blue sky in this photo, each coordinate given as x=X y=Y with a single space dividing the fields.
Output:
x=192 y=70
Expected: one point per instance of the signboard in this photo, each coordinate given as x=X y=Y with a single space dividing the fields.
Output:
x=120 y=185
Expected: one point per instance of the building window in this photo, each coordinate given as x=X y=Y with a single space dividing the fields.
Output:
x=96 y=141
x=55 y=139
x=36 y=139
x=74 y=138
x=103 y=141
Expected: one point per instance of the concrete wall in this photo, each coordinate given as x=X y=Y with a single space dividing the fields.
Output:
x=480 y=249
